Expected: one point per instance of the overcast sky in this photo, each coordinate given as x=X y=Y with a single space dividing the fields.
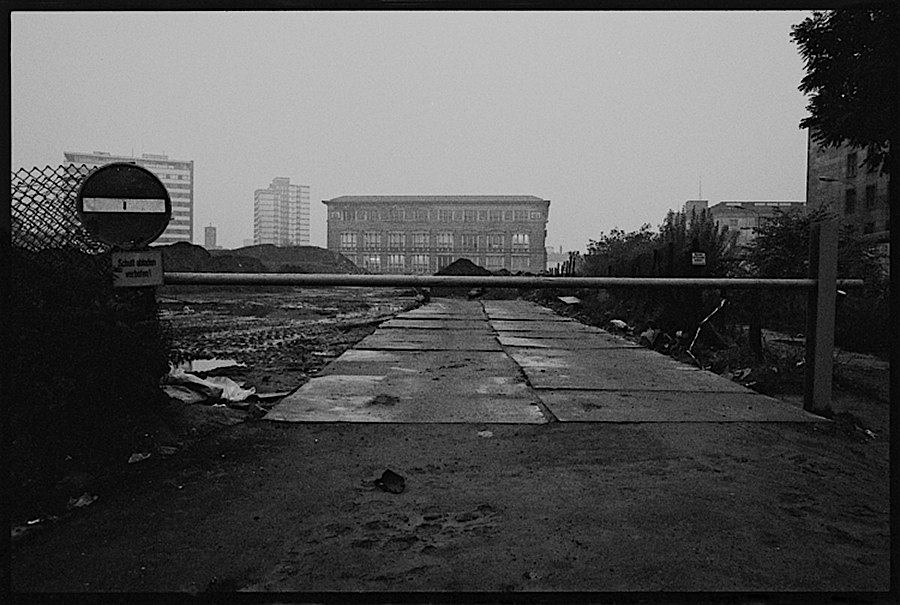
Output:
x=614 y=117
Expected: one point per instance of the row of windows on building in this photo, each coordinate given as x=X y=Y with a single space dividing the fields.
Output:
x=442 y=215
x=421 y=263
x=161 y=169
x=850 y=205
x=375 y=240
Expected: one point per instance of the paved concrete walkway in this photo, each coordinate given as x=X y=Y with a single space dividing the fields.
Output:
x=515 y=362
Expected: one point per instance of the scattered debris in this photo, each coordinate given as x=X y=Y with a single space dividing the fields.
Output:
x=206 y=365
x=531 y=575
x=17 y=531
x=138 y=457
x=739 y=375
x=182 y=394
x=485 y=434
x=868 y=432
x=85 y=499
x=649 y=337
x=700 y=327
x=618 y=323
x=189 y=388
x=570 y=300
x=391 y=482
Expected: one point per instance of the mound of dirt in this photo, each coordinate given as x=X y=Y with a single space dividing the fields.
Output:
x=463 y=266
x=267 y=258
x=295 y=259
x=182 y=256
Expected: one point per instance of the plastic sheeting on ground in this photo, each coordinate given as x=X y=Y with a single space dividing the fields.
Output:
x=192 y=389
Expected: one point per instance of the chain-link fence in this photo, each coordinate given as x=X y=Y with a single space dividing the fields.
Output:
x=85 y=355
x=55 y=261
x=43 y=210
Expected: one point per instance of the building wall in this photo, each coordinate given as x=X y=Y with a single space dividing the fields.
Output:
x=176 y=175
x=746 y=217
x=835 y=180
x=422 y=234
x=281 y=214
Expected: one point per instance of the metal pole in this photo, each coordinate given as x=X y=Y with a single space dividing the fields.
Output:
x=489 y=281
x=820 y=316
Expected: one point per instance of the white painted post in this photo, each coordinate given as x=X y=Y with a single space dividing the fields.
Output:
x=820 y=317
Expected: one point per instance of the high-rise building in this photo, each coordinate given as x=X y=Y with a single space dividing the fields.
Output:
x=176 y=175
x=423 y=234
x=281 y=214
x=209 y=237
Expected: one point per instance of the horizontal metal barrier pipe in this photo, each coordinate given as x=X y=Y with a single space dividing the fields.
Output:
x=492 y=281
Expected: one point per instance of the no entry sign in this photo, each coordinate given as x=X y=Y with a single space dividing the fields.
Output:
x=124 y=205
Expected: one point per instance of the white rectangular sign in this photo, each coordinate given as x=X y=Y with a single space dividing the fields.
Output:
x=124 y=204
x=135 y=269
x=698 y=259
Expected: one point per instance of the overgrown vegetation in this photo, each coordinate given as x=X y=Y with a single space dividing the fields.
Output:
x=851 y=77
x=671 y=317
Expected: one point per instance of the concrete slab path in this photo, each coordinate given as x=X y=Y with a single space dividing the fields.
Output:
x=546 y=460
x=457 y=361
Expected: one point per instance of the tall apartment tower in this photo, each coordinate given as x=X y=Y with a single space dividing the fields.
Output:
x=176 y=175
x=281 y=214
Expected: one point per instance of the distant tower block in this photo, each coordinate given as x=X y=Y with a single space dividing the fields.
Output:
x=209 y=237
x=281 y=214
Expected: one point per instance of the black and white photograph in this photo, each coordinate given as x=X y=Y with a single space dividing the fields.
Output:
x=423 y=305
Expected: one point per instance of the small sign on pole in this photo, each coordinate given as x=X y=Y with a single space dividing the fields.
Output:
x=698 y=259
x=137 y=268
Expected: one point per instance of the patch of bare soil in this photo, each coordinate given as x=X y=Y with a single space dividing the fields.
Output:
x=278 y=339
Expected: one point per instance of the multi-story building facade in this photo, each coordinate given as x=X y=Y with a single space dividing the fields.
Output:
x=423 y=234
x=744 y=217
x=281 y=214
x=176 y=175
x=837 y=180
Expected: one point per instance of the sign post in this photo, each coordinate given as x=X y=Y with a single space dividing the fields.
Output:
x=128 y=207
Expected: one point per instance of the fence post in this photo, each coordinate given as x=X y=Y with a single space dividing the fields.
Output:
x=820 y=317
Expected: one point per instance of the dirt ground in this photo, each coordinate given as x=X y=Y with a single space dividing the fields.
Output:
x=238 y=503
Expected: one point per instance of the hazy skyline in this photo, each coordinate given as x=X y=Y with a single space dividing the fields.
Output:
x=613 y=116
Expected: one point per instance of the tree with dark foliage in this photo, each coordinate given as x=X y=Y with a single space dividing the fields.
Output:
x=851 y=62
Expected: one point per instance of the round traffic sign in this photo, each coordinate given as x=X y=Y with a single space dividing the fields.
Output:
x=124 y=205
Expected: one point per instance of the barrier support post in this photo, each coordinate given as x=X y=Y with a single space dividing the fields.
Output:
x=820 y=317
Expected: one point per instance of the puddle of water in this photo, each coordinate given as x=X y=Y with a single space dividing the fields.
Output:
x=205 y=365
